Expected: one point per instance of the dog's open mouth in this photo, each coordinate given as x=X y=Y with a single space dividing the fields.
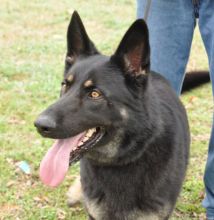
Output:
x=91 y=137
x=55 y=164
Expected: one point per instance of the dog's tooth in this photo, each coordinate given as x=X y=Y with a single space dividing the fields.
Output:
x=80 y=143
x=85 y=138
x=89 y=133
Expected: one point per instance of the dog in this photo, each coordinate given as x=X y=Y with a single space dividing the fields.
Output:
x=123 y=122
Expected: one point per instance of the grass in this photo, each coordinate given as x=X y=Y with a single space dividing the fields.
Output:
x=32 y=41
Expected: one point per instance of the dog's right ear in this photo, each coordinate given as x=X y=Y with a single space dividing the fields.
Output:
x=78 y=42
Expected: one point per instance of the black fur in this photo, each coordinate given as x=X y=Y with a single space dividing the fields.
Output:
x=137 y=169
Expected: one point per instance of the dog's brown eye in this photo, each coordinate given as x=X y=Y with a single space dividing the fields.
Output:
x=95 y=94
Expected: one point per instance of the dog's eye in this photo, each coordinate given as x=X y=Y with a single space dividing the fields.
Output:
x=94 y=94
x=63 y=88
x=63 y=84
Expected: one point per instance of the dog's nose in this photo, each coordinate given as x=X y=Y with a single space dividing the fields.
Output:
x=45 y=124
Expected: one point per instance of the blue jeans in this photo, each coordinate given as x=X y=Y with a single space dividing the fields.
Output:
x=171 y=24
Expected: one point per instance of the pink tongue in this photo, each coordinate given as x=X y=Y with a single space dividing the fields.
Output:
x=55 y=164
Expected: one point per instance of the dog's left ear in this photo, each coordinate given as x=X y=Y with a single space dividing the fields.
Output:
x=78 y=42
x=133 y=52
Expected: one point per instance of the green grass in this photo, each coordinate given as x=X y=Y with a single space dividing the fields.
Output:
x=32 y=43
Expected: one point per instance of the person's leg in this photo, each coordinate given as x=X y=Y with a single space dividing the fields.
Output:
x=171 y=25
x=206 y=25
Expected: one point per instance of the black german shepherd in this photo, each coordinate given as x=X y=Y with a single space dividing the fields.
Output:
x=123 y=122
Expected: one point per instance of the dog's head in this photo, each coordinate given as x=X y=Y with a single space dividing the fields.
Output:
x=98 y=94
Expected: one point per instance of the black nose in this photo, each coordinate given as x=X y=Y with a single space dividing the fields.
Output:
x=45 y=124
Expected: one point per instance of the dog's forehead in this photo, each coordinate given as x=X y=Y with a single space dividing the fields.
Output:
x=97 y=71
x=83 y=64
x=91 y=68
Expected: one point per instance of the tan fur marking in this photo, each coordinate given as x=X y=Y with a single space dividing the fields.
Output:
x=162 y=214
x=69 y=60
x=95 y=210
x=88 y=83
x=124 y=113
x=70 y=78
x=139 y=215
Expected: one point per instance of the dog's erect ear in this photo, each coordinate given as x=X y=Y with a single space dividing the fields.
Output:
x=133 y=53
x=78 y=42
